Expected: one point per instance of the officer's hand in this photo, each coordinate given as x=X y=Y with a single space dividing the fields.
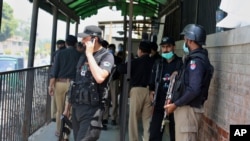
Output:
x=66 y=113
x=170 y=108
x=151 y=95
x=51 y=91
x=90 y=47
x=168 y=101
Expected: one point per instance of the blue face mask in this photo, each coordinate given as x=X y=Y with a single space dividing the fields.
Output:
x=185 y=48
x=168 y=55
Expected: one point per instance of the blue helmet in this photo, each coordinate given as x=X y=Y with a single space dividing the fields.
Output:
x=195 y=32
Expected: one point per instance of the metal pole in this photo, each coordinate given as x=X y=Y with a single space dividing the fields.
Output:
x=125 y=33
x=54 y=31
x=126 y=84
x=76 y=28
x=33 y=30
x=28 y=105
x=30 y=74
x=67 y=26
x=1 y=9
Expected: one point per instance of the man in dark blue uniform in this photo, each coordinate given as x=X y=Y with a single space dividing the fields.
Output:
x=162 y=70
x=187 y=101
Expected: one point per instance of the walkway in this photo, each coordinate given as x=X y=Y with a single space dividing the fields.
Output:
x=46 y=133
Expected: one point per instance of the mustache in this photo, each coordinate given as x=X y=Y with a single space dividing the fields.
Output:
x=166 y=51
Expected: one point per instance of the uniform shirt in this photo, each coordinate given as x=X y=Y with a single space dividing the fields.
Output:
x=65 y=63
x=140 y=70
x=167 y=69
x=53 y=58
x=54 y=54
x=116 y=74
x=156 y=56
x=194 y=74
x=106 y=62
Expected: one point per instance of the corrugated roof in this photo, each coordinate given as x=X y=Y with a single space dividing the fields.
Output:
x=87 y=8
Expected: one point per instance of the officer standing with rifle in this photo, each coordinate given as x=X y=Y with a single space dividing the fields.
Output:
x=159 y=85
x=87 y=92
x=191 y=85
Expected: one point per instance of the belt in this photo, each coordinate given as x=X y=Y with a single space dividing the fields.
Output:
x=63 y=79
x=139 y=86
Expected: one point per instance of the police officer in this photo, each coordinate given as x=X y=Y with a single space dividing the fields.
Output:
x=188 y=106
x=60 y=44
x=93 y=70
x=140 y=104
x=162 y=70
x=154 y=51
x=62 y=72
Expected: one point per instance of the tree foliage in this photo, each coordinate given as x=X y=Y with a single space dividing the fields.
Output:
x=9 y=24
x=23 y=29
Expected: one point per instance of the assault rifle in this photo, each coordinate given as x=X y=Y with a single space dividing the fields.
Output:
x=64 y=129
x=168 y=97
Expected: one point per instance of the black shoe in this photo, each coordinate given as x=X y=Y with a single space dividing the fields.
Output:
x=53 y=119
x=104 y=127
x=113 y=122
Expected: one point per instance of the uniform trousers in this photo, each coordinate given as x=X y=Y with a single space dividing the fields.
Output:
x=187 y=123
x=140 y=107
x=81 y=116
x=155 y=125
x=61 y=89
x=114 y=87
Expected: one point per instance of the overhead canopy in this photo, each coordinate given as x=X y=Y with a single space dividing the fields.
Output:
x=81 y=9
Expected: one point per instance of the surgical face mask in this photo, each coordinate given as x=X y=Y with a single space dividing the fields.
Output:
x=168 y=55
x=185 y=48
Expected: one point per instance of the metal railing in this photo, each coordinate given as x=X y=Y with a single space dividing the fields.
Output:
x=24 y=102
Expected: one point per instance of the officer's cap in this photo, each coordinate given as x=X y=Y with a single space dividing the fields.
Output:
x=91 y=30
x=167 y=40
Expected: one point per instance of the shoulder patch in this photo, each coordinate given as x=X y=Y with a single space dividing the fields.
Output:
x=106 y=64
x=192 y=65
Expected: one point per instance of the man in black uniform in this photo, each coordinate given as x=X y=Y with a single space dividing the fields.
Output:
x=140 y=104
x=60 y=44
x=86 y=92
x=162 y=70
x=189 y=97
x=63 y=71
x=154 y=51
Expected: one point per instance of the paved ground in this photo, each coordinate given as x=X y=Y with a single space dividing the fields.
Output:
x=46 y=133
